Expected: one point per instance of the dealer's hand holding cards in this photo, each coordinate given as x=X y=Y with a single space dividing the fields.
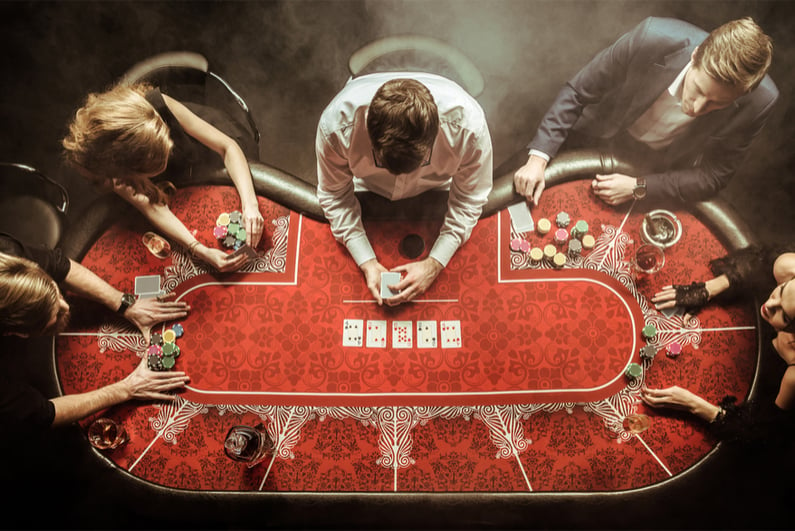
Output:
x=417 y=278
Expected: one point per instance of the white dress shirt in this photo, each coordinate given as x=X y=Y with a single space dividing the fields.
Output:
x=460 y=161
x=664 y=120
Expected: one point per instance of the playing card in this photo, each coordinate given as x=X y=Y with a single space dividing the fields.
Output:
x=352 y=333
x=402 y=334
x=426 y=334
x=376 y=334
x=451 y=334
x=246 y=250
x=389 y=279
x=670 y=312
x=521 y=217
x=147 y=286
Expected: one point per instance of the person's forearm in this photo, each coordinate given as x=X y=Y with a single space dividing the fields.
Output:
x=717 y=285
x=240 y=173
x=86 y=283
x=71 y=408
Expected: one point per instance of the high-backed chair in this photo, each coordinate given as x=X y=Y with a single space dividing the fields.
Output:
x=417 y=53
x=32 y=206
x=186 y=76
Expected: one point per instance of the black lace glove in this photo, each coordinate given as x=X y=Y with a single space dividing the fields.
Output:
x=691 y=296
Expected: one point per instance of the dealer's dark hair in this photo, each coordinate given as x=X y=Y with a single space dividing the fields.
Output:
x=402 y=122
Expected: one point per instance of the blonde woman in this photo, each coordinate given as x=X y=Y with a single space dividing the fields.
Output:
x=127 y=138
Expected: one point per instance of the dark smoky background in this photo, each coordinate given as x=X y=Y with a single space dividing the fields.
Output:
x=289 y=58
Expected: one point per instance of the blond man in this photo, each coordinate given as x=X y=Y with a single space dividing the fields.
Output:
x=32 y=304
x=686 y=103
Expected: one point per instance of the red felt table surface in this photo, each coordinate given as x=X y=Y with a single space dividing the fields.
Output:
x=532 y=399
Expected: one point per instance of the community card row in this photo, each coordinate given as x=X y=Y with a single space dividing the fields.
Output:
x=404 y=334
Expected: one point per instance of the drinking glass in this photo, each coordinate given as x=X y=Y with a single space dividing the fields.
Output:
x=157 y=245
x=648 y=259
x=106 y=434
x=248 y=444
x=636 y=423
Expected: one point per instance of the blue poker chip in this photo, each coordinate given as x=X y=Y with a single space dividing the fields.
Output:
x=178 y=330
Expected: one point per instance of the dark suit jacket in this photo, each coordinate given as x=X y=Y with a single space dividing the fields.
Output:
x=625 y=79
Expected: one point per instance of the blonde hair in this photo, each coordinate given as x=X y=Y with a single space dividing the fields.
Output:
x=117 y=135
x=737 y=53
x=28 y=296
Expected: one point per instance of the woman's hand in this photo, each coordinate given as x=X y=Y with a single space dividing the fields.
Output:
x=677 y=398
x=254 y=224
x=220 y=260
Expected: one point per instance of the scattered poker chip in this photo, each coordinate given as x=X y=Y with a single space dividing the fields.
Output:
x=561 y=235
x=633 y=371
x=536 y=254
x=222 y=220
x=155 y=339
x=543 y=226
x=575 y=248
x=220 y=231
x=588 y=242
x=169 y=336
x=154 y=363
x=562 y=220
x=649 y=331
x=516 y=244
x=154 y=350
x=550 y=251
x=178 y=330
x=524 y=246
x=580 y=229
x=647 y=352
x=673 y=350
x=559 y=260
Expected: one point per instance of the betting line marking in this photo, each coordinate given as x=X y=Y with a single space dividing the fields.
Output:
x=158 y=435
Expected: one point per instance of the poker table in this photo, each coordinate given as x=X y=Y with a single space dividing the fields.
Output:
x=507 y=377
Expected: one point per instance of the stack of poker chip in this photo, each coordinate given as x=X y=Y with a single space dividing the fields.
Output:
x=163 y=349
x=229 y=230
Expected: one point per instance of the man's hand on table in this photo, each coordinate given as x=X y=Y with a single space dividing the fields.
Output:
x=146 y=313
x=529 y=179
x=613 y=189
x=254 y=224
x=372 y=270
x=146 y=384
x=417 y=279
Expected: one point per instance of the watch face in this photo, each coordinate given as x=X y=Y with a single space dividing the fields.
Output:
x=639 y=192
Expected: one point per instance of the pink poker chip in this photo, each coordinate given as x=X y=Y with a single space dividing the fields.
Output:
x=220 y=231
x=674 y=349
x=516 y=244
x=155 y=350
x=524 y=246
x=561 y=235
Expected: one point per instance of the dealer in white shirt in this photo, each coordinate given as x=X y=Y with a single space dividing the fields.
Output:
x=459 y=160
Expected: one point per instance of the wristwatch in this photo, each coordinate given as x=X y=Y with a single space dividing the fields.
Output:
x=639 y=192
x=127 y=300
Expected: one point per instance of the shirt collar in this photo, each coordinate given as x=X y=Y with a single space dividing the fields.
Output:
x=675 y=88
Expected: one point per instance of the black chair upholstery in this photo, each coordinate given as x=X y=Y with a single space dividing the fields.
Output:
x=186 y=76
x=32 y=206
x=417 y=53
